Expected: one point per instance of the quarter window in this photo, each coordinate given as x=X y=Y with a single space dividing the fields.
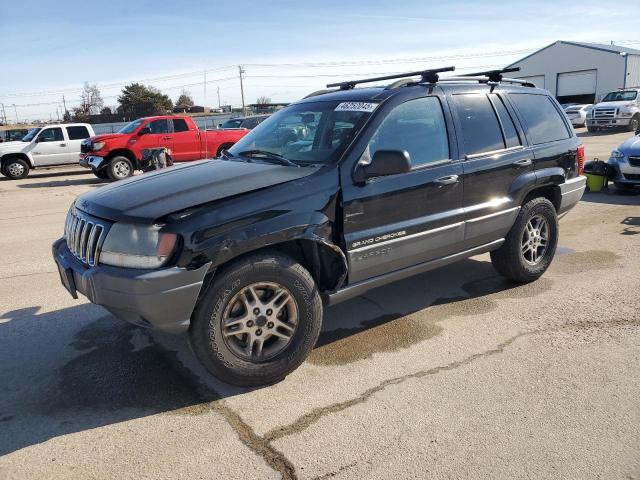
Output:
x=51 y=135
x=541 y=118
x=158 y=126
x=417 y=126
x=511 y=137
x=77 y=133
x=480 y=128
x=180 y=125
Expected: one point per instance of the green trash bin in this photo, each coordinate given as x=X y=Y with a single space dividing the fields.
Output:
x=595 y=183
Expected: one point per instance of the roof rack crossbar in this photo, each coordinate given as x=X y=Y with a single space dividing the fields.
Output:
x=427 y=76
x=494 y=75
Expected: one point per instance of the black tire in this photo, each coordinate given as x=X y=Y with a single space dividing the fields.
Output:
x=509 y=259
x=119 y=168
x=592 y=129
x=101 y=174
x=223 y=147
x=15 y=168
x=634 y=123
x=219 y=353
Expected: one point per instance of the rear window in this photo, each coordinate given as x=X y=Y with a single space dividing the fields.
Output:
x=480 y=127
x=78 y=133
x=542 y=120
x=180 y=125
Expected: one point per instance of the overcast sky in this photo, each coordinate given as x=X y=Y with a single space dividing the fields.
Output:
x=50 y=48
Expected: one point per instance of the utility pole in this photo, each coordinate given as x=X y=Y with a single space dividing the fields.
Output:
x=241 y=71
x=58 y=113
x=16 y=112
x=4 y=113
x=64 y=103
x=218 y=90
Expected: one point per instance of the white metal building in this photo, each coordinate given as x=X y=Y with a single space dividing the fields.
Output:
x=581 y=72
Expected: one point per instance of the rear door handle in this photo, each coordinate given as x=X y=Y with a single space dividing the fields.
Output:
x=448 y=180
x=525 y=162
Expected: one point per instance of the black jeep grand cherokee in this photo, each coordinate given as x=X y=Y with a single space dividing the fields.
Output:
x=334 y=195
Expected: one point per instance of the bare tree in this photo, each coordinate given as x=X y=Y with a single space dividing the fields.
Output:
x=184 y=100
x=263 y=101
x=90 y=101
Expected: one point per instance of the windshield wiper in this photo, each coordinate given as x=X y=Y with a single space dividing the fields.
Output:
x=269 y=156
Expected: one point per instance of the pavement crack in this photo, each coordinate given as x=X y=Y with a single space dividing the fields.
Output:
x=27 y=274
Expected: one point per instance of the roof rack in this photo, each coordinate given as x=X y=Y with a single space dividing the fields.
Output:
x=427 y=76
x=496 y=76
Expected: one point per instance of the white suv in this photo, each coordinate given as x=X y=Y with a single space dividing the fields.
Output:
x=43 y=147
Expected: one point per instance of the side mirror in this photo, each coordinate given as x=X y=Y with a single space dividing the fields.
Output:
x=144 y=131
x=384 y=163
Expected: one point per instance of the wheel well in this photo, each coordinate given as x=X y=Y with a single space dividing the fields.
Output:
x=123 y=153
x=224 y=146
x=22 y=156
x=550 y=192
x=325 y=264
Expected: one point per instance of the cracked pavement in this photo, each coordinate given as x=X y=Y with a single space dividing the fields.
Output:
x=456 y=373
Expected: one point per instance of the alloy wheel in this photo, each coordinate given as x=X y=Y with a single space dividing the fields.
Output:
x=15 y=169
x=260 y=320
x=121 y=169
x=535 y=240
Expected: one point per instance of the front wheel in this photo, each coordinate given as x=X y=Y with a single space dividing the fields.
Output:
x=258 y=321
x=119 y=168
x=592 y=129
x=101 y=174
x=531 y=243
x=633 y=124
x=15 y=168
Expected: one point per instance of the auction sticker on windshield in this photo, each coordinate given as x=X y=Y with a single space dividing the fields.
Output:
x=356 y=107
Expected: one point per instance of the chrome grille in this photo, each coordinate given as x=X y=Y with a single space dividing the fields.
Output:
x=604 y=113
x=635 y=161
x=84 y=235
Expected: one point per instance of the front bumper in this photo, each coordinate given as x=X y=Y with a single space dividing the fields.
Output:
x=571 y=192
x=92 y=161
x=162 y=299
x=613 y=122
x=625 y=173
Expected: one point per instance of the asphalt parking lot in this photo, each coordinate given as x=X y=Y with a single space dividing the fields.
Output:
x=456 y=373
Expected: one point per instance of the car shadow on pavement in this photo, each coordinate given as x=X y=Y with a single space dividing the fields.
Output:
x=93 y=181
x=48 y=173
x=97 y=371
x=613 y=196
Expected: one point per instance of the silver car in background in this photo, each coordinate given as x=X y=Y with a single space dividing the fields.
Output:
x=625 y=161
x=578 y=114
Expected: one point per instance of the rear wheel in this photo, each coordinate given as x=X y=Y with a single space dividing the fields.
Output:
x=222 y=148
x=258 y=320
x=15 y=168
x=119 y=168
x=530 y=244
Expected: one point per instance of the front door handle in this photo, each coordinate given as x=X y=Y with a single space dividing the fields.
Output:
x=167 y=138
x=63 y=144
x=448 y=180
x=525 y=162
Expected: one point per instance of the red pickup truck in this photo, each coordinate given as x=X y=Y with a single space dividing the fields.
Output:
x=118 y=155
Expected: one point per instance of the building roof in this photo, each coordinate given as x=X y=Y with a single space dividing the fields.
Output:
x=616 y=49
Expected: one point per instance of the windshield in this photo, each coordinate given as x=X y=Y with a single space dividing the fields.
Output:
x=232 y=123
x=132 y=126
x=620 y=96
x=31 y=135
x=317 y=132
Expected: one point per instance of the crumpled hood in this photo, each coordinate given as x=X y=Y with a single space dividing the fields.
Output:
x=107 y=136
x=147 y=197
x=631 y=146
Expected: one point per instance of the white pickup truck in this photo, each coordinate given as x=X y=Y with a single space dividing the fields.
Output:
x=43 y=147
x=617 y=109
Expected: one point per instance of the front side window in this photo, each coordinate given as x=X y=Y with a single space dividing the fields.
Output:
x=480 y=128
x=158 y=126
x=51 y=135
x=417 y=126
x=77 y=133
x=310 y=132
x=541 y=118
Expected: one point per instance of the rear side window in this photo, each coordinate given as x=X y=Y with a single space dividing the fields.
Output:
x=417 y=126
x=180 y=125
x=511 y=137
x=77 y=133
x=541 y=118
x=480 y=127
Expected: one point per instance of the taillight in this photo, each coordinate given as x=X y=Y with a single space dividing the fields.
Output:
x=580 y=155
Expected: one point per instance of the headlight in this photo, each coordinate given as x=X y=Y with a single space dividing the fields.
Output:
x=97 y=146
x=137 y=246
x=616 y=155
